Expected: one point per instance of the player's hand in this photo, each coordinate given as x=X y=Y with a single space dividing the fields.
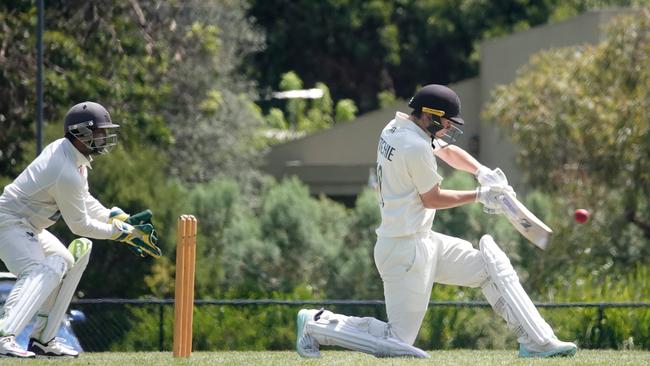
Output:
x=140 y=237
x=143 y=217
x=490 y=198
x=117 y=214
x=488 y=178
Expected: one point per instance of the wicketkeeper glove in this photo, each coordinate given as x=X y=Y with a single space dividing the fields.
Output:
x=139 y=219
x=490 y=198
x=488 y=178
x=140 y=237
x=117 y=214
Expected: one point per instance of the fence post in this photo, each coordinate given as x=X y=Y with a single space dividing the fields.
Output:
x=601 y=330
x=161 y=320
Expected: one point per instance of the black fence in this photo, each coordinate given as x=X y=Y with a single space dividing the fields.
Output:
x=147 y=325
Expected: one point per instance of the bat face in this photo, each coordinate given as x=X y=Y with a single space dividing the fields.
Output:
x=525 y=221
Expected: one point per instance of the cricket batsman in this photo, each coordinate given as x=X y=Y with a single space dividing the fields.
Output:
x=55 y=185
x=411 y=257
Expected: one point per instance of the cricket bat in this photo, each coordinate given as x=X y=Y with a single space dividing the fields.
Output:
x=525 y=221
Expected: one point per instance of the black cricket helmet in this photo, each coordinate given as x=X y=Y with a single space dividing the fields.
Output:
x=84 y=119
x=440 y=101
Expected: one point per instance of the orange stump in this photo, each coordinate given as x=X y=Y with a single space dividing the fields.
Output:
x=184 y=292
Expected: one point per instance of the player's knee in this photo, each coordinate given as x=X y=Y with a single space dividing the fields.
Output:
x=67 y=257
x=55 y=265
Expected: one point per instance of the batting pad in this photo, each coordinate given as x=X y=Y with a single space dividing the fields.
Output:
x=504 y=292
x=367 y=335
x=50 y=316
x=30 y=292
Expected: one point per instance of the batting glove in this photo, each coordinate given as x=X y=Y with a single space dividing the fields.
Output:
x=141 y=237
x=487 y=177
x=490 y=198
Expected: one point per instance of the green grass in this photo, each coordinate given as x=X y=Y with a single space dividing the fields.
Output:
x=438 y=358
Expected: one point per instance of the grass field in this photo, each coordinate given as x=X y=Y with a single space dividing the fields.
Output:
x=438 y=358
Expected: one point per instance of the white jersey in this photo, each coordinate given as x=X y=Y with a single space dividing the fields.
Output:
x=55 y=184
x=406 y=168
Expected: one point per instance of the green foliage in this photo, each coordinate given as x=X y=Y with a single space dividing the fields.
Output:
x=581 y=114
x=307 y=116
x=622 y=328
x=345 y=110
x=307 y=233
x=167 y=74
x=360 y=48
x=356 y=276
x=386 y=98
x=288 y=245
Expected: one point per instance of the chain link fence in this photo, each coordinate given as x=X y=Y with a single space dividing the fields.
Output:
x=240 y=324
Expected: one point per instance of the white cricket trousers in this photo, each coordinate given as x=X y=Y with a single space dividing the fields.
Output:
x=410 y=265
x=22 y=247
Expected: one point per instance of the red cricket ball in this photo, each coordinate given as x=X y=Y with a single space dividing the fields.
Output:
x=581 y=215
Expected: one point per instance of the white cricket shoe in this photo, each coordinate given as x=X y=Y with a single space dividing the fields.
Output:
x=554 y=348
x=54 y=348
x=306 y=345
x=9 y=348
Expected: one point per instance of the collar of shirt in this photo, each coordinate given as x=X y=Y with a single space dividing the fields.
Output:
x=402 y=121
x=79 y=158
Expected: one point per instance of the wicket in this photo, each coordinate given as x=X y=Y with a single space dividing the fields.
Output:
x=184 y=292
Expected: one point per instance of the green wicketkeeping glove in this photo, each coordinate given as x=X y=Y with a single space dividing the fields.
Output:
x=142 y=238
x=142 y=217
x=117 y=214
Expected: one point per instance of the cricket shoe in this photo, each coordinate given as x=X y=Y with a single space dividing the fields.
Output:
x=554 y=348
x=306 y=345
x=54 y=348
x=9 y=348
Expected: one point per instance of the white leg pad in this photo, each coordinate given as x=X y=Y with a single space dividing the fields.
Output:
x=367 y=335
x=51 y=315
x=508 y=298
x=30 y=292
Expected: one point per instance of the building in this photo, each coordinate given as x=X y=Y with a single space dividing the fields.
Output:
x=340 y=162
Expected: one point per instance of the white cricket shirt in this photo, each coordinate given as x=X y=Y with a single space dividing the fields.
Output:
x=406 y=168
x=55 y=184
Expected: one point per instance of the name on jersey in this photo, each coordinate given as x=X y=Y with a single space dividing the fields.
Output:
x=385 y=149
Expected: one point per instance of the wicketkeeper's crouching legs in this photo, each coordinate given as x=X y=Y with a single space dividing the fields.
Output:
x=50 y=316
x=323 y=328
x=30 y=291
x=508 y=298
x=44 y=289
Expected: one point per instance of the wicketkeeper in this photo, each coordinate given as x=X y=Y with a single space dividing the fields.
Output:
x=411 y=257
x=55 y=185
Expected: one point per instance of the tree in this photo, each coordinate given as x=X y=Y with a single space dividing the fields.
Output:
x=167 y=74
x=579 y=115
x=304 y=115
x=362 y=48
x=17 y=99
x=212 y=116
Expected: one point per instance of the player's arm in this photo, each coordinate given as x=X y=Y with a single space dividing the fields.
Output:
x=422 y=168
x=458 y=158
x=70 y=196
x=95 y=209
x=437 y=198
